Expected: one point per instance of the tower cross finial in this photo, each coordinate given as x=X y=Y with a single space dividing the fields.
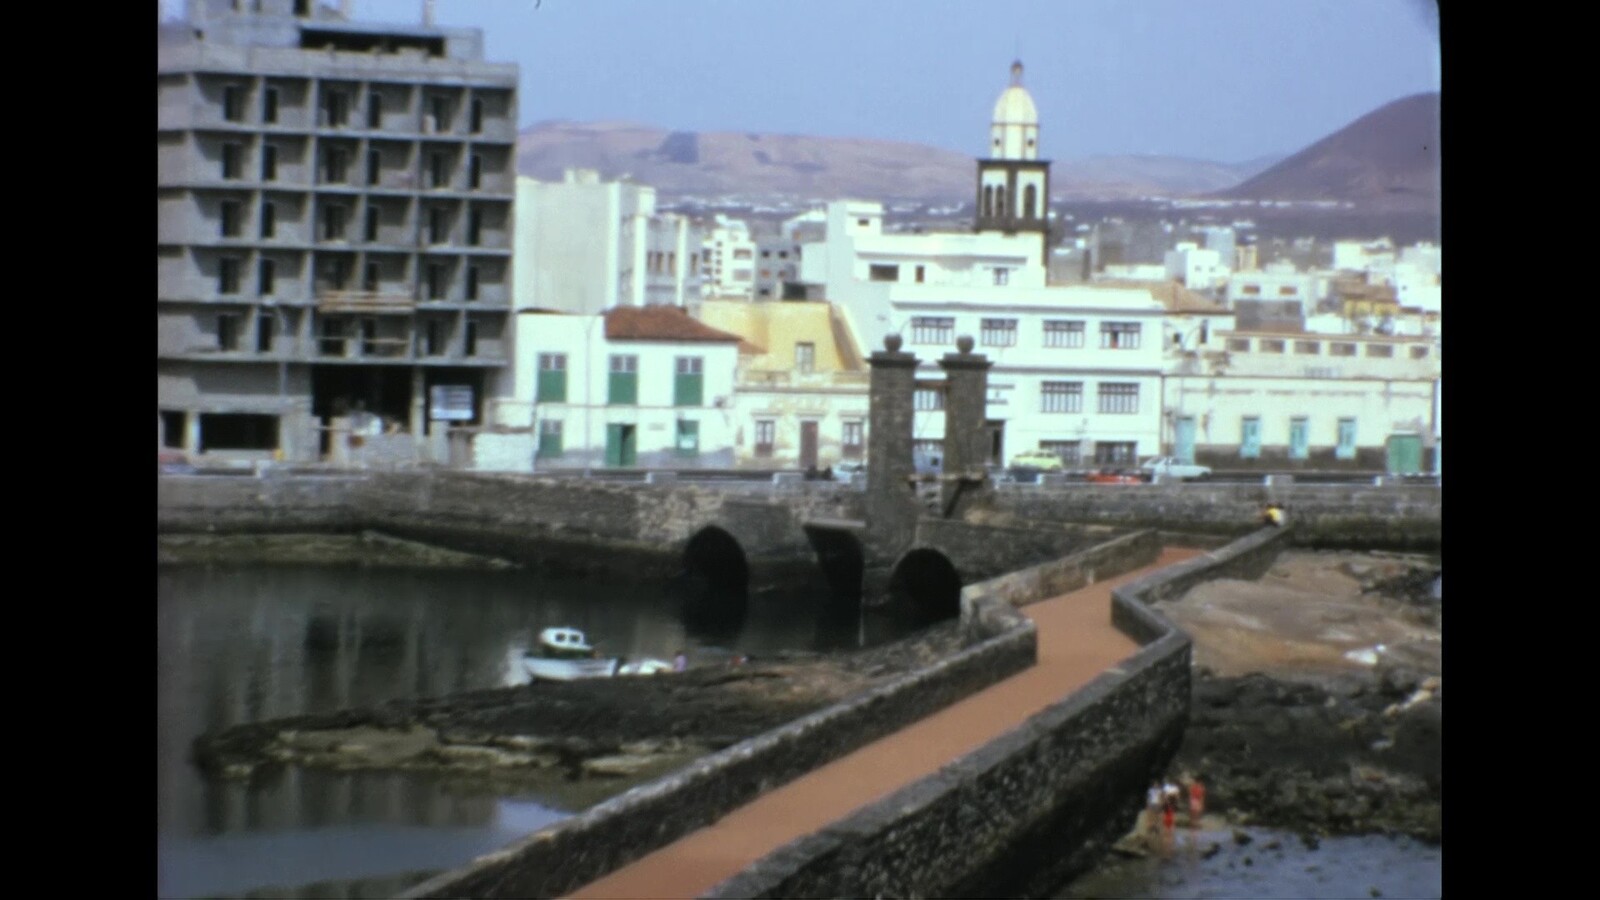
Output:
x=1016 y=73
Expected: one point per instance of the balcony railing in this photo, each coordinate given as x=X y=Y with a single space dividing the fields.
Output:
x=365 y=302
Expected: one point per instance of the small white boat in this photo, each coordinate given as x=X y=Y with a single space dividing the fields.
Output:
x=565 y=655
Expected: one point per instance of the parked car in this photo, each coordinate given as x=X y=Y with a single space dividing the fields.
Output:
x=847 y=470
x=1041 y=460
x=1172 y=467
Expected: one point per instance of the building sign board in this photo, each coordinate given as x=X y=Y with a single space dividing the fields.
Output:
x=450 y=403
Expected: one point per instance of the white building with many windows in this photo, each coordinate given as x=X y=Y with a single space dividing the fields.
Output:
x=728 y=259
x=634 y=387
x=1076 y=368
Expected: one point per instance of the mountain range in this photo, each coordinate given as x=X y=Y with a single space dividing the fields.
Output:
x=1389 y=158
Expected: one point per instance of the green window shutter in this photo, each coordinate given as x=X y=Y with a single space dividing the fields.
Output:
x=552 y=387
x=689 y=390
x=623 y=389
x=549 y=442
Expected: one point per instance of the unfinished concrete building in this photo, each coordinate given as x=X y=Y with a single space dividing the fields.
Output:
x=333 y=251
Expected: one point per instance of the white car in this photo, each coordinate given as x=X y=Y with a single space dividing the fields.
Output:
x=1172 y=467
x=847 y=471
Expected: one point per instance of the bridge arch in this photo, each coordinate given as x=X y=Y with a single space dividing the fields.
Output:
x=926 y=585
x=715 y=582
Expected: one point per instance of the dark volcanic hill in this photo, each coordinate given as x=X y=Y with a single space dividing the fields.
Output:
x=1388 y=159
x=728 y=164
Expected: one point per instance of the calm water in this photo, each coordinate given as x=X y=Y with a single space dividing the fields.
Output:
x=248 y=643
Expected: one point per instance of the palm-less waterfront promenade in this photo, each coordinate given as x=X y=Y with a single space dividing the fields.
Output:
x=1076 y=642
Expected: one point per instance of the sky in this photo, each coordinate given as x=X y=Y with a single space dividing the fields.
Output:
x=1221 y=80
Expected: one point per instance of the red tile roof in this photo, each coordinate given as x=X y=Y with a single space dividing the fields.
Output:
x=659 y=323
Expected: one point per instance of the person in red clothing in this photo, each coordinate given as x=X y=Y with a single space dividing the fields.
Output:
x=1197 y=801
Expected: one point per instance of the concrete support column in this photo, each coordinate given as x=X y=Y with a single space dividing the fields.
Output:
x=191 y=432
x=891 y=497
x=419 y=404
x=966 y=438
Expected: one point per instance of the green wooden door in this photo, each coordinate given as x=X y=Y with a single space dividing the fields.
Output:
x=621 y=446
x=1405 y=453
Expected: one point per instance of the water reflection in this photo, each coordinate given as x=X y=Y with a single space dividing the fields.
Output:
x=240 y=644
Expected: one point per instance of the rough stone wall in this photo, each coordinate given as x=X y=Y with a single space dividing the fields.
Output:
x=572 y=853
x=1018 y=588
x=982 y=551
x=1356 y=517
x=571 y=524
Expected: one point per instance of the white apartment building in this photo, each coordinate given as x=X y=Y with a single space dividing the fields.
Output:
x=1076 y=369
x=634 y=387
x=1279 y=282
x=1305 y=400
x=1197 y=269
x=728 y=259
x=584 y=245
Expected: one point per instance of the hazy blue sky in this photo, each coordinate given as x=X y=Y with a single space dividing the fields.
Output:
x=1225 y=80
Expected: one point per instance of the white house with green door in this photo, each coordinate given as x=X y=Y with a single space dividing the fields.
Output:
x=634 y=387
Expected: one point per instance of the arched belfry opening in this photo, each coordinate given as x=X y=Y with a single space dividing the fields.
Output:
x=715 y=582
x=925 y=586
x=1013 y=182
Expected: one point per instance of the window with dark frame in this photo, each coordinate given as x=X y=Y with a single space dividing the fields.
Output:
x=269 y=162
x=1118 y=398
x=472 y=282
x=881 y=272
x=474 y=227
x=232 y=109
x=269 y=106
x=269 y=219
x=266 y=277
x=470 y=339
x=372 y=223
x=1341 y=348
x=374 y=167
x=477 y=115
x=435 y=281
x=766 y=436
x=1061 y=397
x=1238 y=345
x=853 y=443
x=998 y=333
x=1115 y=453
x=1380 y=351
x=374 y=110
x=475 y=172
x=933 y=330
x=928 y=398
x=1063 y=333
x=1120 y=335
x=1271 y=345
x=434 y=339
x=1308 y=348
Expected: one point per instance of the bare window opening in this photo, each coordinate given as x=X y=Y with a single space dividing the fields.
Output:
x=336 y=165
x=1242 y=345
x=231 y=156
x=228 y=331
x=172 y=426
x=435 y=225
x=230 y=218
x=232 y=107
x=269 y=106
x=435 y=281
x=1308 y=348
x=269 y=219
x=369 y=337
x=470 y=339
x=1418 y=351
x=374 y=166
x=336 y=108
x=266 y=277
x=922 y=272
x=269 y=162
x=1029 y=201
x=439 y=114
x=302 y=7
x=475 y=172
x=883 y=273
x=433 y=339
x=1380 y=351
x=238 y=431
x=472 y=282
x=333 y=222
x=370 y=281
x=228 y=275
x=436 y=174
x=474 y=227
x=477 y=115
x=863 y=222
x=265 y=326
x=332 y=342
x=375 y=111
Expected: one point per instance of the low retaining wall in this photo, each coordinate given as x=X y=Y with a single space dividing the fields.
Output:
x=1328 y=517
x=614 y=833
x=1029 y=811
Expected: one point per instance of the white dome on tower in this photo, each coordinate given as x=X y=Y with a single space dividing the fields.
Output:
x=1014 y=133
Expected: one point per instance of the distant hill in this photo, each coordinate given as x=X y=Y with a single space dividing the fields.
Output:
x=1386 y=160
x=727 y=164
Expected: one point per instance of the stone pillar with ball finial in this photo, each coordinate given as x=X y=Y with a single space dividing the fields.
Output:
x=966 y=437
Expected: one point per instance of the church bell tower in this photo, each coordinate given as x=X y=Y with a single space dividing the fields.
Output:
x=1013 y=182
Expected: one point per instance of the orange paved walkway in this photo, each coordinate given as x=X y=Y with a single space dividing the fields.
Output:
x=1076 y=643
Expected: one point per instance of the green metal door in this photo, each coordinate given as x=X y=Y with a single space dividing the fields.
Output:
x=1405 y=453
x=621 y=448
x=1185 y=439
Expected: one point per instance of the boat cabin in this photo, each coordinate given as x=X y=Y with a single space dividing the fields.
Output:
x=564 y=643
